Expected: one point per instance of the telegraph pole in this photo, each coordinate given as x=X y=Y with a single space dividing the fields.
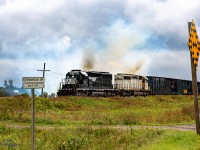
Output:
x=43 y=76
x=194 y=46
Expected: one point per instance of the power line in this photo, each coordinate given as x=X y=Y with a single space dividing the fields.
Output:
x=57 y=73
x=23 y=69
x=17 y=69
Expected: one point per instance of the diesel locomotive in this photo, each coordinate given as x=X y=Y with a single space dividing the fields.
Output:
x=89 y=83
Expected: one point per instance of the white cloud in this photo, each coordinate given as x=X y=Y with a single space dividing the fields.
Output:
x=66 y=41
x=164 y=17
x=12 y=7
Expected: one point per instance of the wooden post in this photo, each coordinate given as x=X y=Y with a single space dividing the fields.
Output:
x=43 y=77
x=195 y=89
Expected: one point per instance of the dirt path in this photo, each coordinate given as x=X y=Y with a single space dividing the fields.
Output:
x=175 y=127
x=119 y=127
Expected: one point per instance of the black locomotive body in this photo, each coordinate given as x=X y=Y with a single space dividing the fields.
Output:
x=165 y=86
x=78 y=82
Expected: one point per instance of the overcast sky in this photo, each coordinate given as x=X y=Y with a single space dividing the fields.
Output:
x=146 y=37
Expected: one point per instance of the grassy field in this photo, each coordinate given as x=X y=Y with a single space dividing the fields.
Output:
x=77 y=115
x=100 y=139
x=151 y=110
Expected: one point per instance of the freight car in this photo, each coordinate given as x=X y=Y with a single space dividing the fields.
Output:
x=89 y=83
x=165 y=86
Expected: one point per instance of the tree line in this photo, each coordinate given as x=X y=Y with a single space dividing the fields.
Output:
x=9 y=89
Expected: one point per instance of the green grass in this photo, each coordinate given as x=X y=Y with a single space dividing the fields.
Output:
x=139 y=110
x=78 y=117
x=175 y=140
x=100 y=138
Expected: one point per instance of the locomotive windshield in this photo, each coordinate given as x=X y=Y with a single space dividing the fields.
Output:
x=71 y=75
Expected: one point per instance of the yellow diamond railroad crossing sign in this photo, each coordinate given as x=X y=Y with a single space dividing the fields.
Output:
x=194 y=44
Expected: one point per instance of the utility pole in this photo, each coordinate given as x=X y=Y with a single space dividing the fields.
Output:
x=193 y=45
x=43 y=76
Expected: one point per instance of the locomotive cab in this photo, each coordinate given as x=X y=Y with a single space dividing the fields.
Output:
x=72 y=77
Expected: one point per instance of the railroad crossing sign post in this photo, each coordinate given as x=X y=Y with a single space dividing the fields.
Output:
x=33 y=83
x=194 y=47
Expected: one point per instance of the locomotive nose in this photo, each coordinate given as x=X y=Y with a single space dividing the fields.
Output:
x=68 y=81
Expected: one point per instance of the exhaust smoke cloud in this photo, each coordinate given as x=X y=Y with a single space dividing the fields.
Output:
x=88 y=60
x=135 y=69
x=119 y=40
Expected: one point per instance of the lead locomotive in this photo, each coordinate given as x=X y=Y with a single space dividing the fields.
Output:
x=79 y=82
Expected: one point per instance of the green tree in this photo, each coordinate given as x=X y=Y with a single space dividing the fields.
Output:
x=53 y=95
x=5 y=84
x=10 y=81
x=45 y=94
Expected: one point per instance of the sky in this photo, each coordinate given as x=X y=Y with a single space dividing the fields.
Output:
x=145 y=37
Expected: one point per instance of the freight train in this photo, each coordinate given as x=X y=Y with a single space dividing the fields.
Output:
x=90 y=83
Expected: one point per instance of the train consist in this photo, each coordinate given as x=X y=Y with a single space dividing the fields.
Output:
x=90 y=83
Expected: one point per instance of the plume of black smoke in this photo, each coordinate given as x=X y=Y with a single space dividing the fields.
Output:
x=88 y=60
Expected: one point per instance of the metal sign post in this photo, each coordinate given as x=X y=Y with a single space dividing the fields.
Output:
x=33 y=83
x=33 y=118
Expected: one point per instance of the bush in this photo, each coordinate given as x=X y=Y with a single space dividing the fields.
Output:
x=25 y=95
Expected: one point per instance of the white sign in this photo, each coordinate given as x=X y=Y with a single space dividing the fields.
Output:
x=33 y=82
x=33 y=79
x=33 y=86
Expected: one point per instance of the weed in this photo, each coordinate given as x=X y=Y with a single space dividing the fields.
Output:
x=2 y=129
x=188 y=111
x=102 y=132
x=73 y=144
x=44 y=121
